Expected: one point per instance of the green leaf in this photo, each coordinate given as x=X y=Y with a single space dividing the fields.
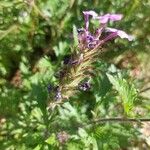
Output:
x=61 y=49
x=3 y=34
x=51 y=140
x=82 y=133
x=6 y=4
x=75 y=36
x=38 y=147
x=24 y=68
x=73 y=146
x=126 y=91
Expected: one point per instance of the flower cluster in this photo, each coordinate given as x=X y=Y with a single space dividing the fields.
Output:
x=90 y=41
x=62 y=137
x=78 y=65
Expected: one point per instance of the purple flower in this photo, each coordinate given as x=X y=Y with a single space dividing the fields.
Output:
x=109 y=17
x=88 y=40
x=86 y=17
x=85 y=86
x=49 y=88
x=120 y=33
x=92 y=44
x=58 y=95
x=62 y=137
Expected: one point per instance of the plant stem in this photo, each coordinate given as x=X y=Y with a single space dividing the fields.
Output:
x=102 y=120
x=144 y=90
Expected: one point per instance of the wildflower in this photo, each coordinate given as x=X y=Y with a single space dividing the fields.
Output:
x=90 y=41
x=85 y=86
x=58 y=95
x=49 y=88
x=62 y=137
x=89 y=38
x=77 y=66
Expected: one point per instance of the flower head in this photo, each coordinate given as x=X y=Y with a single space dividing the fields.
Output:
x=62 y=137
x=77 y=69
x=90 y=40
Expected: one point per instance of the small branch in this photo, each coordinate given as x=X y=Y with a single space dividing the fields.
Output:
x=144 y=90
x=40 y=13
x=114 y=120
x=120 y=120
x=6 y=32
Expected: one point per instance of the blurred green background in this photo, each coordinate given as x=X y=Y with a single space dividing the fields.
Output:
x=34 y=38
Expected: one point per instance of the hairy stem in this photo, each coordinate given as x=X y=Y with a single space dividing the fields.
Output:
x=102 y=120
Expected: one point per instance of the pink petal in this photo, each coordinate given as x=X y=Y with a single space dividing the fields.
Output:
x=120 y=33
x=115 y=17
x=112 y=17
x=86 y=17
x=90 y=13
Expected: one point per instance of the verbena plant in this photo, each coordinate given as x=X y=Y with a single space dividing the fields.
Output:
x=77 y=100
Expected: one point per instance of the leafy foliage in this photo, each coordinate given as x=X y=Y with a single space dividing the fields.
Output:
x=35 y=37
x=126 y=91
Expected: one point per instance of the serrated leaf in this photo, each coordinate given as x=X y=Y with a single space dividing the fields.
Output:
x=38 y=147
x=82 y=133
x=24 y=68
x=3 y=34
x=126 y=91
x=51 y=140
x=73 y=146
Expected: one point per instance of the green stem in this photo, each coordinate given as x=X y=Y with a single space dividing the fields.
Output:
x=102 y=120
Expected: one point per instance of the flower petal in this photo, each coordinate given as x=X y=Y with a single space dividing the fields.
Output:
x=120 y=33
x=90 y=13
x=86 y=17
x=112 y=17
x=115 y=17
